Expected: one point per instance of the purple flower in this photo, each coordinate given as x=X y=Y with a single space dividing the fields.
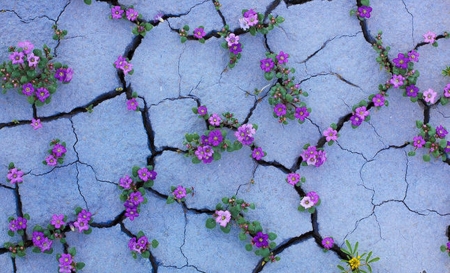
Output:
x=60 y=74
x=13 y=225
x=301 y=113
x=142 y=242
x=327 y=242
x=136 y=198
x=280 y=109
x=84 y=215
x=37 y=238
x=131 y=213
x=441 y=132
x=36 y=124
x=57 y=220
x=397 y=80
x=50 y=160
x=152 y=175
x=223 y=217
x=65 y=268
x=311 y=151
x=356 y=120
x=46 y=244
x=447 y=148
x=127 y=67
x=418 y=141
x=267 y=64
x=16 y=57
x=132 y=243
x=248 y=129
x=116 y=12
x=313 y=196
x=236 y=48
x=401 y=61
x=28 y=89
x=199 y=153
x=125 y=182
x=282 y=57
x=159 y=17
x=214 y=120
x=413 y=56
x=232 y=39
x=207 y=159
x=81 y=224
x=202 y=110
x=26 y=46
x=65 y=259
x=15 y=176
x=179 y=192
x=429 y=37
x=144 y=174
x=199 y=33
x=293 y=178
x=32 y=60
x=412 y=90
x=362 y=112
x=21 y=223
x=120 y=62
x=364 y=11
x=129 y=204
x=131 y=14
x=251 y=20
x=378 y=100
x=257 y=153
x=58 y=150
x=132 y=104
x=429 y=96
x=447 y=91
x=69 y=75
x=249 y=13
x=208 y=150
x=330 y=134
x=321 y=158
x=215 y=137
x=42 y=94
x=260 y=240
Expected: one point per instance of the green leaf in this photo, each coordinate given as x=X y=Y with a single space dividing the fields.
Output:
x=134 y=171
x=269 y=75
x=89 y=231
x=217 y=156
x=426 y=157
x=183 y=39
x=242 y=236
x=419 y=124
x=272 y=236
x=36 y=250
x=412 y=153
x=80 y=265
x=443 y=143
x=145 y=254
x=155 y=243
x=248 y=247
x=226 y=229
x=272 y=245
x=195 y=160
x=10 y=233
x=170 y=200
x=148 y=184
x=88 y=2
x=210 y=223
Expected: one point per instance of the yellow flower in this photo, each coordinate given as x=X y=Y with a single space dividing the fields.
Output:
x=354 y=262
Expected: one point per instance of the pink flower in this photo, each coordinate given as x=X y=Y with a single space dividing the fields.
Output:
x=330 y=134
x=36 y=124
x=429 y=37
x=223 y=217
x=33 y=60
x=306 y=202
x=232 y=39
x=26 y=46
x=132 y=14
x=429 y=96
x=116 y=12
x=132 y=104
x=397 y=80
x=15 y=176
x=51 y=160
x=81 y=224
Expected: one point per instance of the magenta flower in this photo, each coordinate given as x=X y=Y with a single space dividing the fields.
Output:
x=199 y=33
x=447 y=91
x=36 y=123
x=313 y=196
x=81 y=225
x=46 y=244
x=251 y=17
x=207 y=159
x=245 y=133
x=413 y=56
x=214 y=120
x=327 y=242
x=378 y=100
x=236 y=48
x=429 y=96
x=143 y=242
x=84 y=215
x=356 y=120
x=136 y=198
x=429 y=37
x=16 y=57
x=311 y=151
x=208 y=150
x=144 y=174
x=215 y=137
x=412 y=90
x=361 y=112
x=260 y=240
x=441 y=132
x=65 y=259
x=320 y=158
x=293 y=178
x=280 y=109
x=21 y=223
x=132 y=14
x=42 y=94
x=159 y=17
x=116 y=12
x=13 y=225
x=127 y=67
x=58 y=150
x=64 y=74
x=301 y=113
x=69 y=75
x=50 y=160
x=257 y=153
x=267 y=64
x=330 y=134
x=28 y=89
x=199 y=153
x=364 y=11
x=418 y=141
x=57 y=220
x=401 y=61
x=125 y=182
x=447 y=148
x=223 y=217
x=179 y=192
x=33 y=60
x=120 y=62
x=131 y=213
x=15 y=176
x=26 y=46
x=37 y=238
x=232 y=39
x=282 y=58
x=249 y=13
x=397 y=80
x=202 y=110
x=132 y=104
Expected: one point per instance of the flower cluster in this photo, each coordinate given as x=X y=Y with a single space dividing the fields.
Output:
x=208 y=147
x=233 y=45
x=360 y=114
x=56 y=153
x=124 y=65
x=433 y=139
x=130 y=14
x=311 y=155
x=252 y=22
x=83 y=221
x=67 y=263
x=309 y=202
x=41 y=243
x=15 y=175
x=133 y=189
x=234 y=210
x=285 y=94
x=295 y=180
x=356 y=262
x=178 y=194
x=198 y=33
x=18 y=225
x=32 y=73
x=141 y=245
